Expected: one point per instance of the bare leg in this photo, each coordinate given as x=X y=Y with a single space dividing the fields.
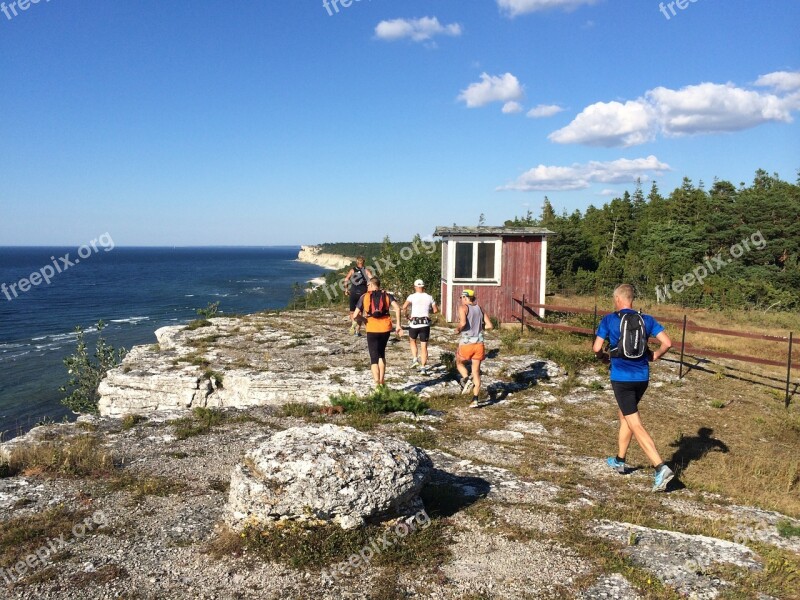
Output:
x=460 y=367
x=423 y=353
x=625 y=435
x=382 y=370
x=634 y=423
x=413 y=344
x=376 y=374
x=476 y=377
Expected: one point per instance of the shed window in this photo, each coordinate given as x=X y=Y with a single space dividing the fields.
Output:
x=477 y=261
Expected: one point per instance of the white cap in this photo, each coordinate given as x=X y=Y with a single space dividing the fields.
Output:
x=419 y=283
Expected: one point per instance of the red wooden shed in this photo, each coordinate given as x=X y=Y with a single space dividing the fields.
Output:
x=500 y=263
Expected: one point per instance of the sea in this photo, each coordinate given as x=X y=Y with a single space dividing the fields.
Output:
x=134 y=291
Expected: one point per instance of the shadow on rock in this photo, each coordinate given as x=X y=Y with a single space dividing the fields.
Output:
x=524 y=379
x=446 y=494
x=692 y=448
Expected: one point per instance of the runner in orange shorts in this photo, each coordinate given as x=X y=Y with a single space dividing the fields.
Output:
x=472 y=322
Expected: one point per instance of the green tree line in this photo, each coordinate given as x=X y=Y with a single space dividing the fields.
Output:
x=655 y=242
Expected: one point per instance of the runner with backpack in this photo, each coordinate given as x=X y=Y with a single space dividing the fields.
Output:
x=375 y=306
x=356 y=283
x=627 y=332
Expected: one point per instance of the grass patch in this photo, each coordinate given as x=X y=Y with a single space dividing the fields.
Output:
x=220 y=485
x=197 y=324
x=787 y=529
x=98 y=577
x=81 y=456
x=297 y=409
x=199 y=423
x=570 y=357
x=381 y=401
x=422 y=439
x=23 y=536
x=215 y=376
x=131 y=421
x=318 y=368
x=303 y=546
x=142 y=486
x=715 y=403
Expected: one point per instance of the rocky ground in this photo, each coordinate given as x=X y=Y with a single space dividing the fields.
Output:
x=526 y=503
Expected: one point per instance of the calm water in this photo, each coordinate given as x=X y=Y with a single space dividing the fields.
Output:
x=135 y=291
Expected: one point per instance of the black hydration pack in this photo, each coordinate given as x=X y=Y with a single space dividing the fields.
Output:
x=378 y=304
x=632 y=336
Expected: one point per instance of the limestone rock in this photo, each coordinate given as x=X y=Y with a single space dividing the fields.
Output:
x=327 y=473
x=313 y=255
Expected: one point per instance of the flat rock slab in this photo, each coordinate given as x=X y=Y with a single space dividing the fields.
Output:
x=678 y=559
x=611 y=587
x=328 y=474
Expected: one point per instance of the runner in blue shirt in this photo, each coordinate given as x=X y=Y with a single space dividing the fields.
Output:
x=629 y=380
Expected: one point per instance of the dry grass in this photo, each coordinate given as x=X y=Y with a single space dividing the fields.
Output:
x=23 y=536
x=81 y=456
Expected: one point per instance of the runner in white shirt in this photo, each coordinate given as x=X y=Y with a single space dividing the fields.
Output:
x=422 y=305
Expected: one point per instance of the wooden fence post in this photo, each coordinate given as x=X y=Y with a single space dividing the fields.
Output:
x=788 y=370
x=522 y=320
x=594 y=320
x=683 y=346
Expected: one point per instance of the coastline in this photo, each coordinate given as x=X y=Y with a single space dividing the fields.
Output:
x=334 y=262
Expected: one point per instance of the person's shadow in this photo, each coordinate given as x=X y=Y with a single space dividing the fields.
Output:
x=690 y=448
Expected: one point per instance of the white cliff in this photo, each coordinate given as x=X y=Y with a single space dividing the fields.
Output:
x=315 y=256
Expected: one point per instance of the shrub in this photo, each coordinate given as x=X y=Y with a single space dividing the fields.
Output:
x=382 y=401
x=87 y=371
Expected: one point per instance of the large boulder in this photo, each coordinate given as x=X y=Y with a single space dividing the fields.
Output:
x=326 y=473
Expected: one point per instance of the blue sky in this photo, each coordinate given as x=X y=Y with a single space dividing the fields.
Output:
x=268 y=123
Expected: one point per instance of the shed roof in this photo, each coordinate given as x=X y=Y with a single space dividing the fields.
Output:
x=487 y=231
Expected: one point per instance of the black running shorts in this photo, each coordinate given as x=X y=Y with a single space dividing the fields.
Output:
x=628 y=395
x=376 y=342
x=421 y=333
x=355 y=296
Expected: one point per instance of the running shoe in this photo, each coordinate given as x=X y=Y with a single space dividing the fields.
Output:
x=353 y=328
x=415 y=363
x=663 y=476
x=468 y=385
x=617 y=465
x=475 y=403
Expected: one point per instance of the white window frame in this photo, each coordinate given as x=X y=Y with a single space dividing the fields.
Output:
x=498 y=260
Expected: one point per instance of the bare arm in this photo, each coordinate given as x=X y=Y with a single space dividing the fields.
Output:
x=597 y=347
x=435 y=308
x=487 y=322
x=396 y=306
x=666 y=344
x=347 y=282
x=462 y=318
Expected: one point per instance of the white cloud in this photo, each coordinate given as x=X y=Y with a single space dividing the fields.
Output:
x=609 y=124
x=514 y=8
x=780 y=81
x=492 y=88
x=512 y=107
x=581 y=176
x=710 y=108
x=694 y=109
x=544 y=110
x=418 y=30
x=607 y=193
